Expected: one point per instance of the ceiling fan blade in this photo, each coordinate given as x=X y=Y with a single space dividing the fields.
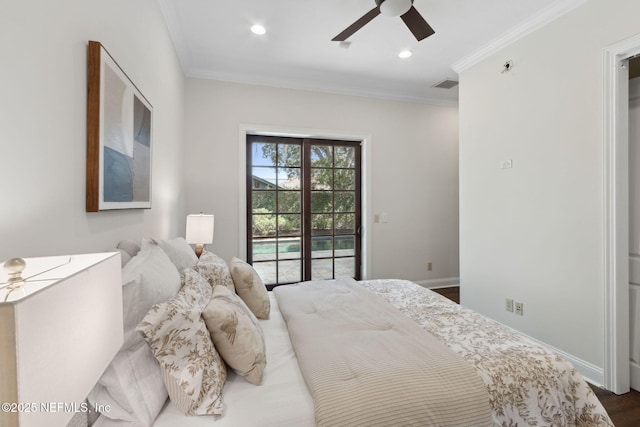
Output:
x=416 y=24
x=357 y=25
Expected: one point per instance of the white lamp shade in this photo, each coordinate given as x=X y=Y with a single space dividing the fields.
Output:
x=200 y=229
x=58 y=332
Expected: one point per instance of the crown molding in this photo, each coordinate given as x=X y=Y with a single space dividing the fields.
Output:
x=525 y=28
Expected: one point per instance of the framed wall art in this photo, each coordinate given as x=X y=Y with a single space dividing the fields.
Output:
x=119 y=137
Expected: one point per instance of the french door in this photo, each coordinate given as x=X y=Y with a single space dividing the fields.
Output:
x=303 y=208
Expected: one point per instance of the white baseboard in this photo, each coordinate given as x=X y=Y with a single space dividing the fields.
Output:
x=439 y=283
x=592 y=373
x=635 y=375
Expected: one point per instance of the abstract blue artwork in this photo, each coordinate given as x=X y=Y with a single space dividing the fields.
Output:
x=119 y=137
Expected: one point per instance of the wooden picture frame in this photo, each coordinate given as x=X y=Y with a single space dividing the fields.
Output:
x=119 y=137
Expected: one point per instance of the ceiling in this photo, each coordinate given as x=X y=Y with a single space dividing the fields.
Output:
x=213 y=41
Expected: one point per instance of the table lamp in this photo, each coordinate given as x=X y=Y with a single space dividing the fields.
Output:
x=199 y=231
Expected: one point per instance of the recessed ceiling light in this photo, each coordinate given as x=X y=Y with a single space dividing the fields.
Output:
x=258 y=29
x=405 y=54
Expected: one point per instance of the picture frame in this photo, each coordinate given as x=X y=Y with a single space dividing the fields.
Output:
x=119 y=137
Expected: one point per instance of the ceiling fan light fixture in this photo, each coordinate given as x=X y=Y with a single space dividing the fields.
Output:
x=258 y=29
x=394 y=7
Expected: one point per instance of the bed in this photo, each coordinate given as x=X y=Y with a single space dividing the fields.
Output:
x=523 y=382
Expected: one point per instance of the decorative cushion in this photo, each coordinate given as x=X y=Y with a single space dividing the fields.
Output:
x=249 y=286
x=178 y=251
x=215 y=270
x=236 y=334
x=193 y=371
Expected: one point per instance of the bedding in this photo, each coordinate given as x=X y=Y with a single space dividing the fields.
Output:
x=367 y=364
x=528 y=385
x=524 y=383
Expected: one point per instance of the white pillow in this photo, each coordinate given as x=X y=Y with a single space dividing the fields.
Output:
x=132 y=387
x=178 y=251
x=250 y=287
x=130 y=246
x=134 y=376
x=156 y=280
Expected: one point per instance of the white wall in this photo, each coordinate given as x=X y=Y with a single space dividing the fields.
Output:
x=535 y=232
x=414 y=162
x=43 y=123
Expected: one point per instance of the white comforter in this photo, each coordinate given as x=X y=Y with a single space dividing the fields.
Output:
x=545 y=390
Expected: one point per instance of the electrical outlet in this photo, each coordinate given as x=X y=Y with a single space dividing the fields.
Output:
x=519 y=309
x=429 y=265
x=506 y=164
x=509 y=305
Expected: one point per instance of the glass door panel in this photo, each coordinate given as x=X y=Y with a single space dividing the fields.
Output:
x=304 y=199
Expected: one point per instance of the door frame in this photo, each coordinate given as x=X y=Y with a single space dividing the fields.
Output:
x=616 y=213
x=298 y=132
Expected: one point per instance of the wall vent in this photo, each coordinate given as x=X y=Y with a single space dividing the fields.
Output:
x=446 y=84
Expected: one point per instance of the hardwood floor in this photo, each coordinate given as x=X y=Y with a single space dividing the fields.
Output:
x=624 y=410
x=451 y=292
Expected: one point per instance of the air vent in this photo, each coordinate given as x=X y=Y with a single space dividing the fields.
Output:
x=446 y=84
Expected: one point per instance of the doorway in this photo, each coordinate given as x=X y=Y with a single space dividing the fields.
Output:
x=303 y=208
x=616 y=213
x=634 y=221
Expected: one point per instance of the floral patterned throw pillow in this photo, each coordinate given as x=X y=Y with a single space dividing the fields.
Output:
x=193 y=371
x=215 y=270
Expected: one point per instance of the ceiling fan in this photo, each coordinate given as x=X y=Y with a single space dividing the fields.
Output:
x=402 y=8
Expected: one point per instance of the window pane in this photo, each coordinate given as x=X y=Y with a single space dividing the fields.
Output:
x=263 y=154
x=345 y=267
x=289 y=271
x=266 y=271
x=345 y=202
x=264 y=250
x=289 y=248
x=321 y=247
x=288 y=201
x=345 y=179
x=321 y=201
x=321 y=179
x=321 y=224
x=264 y=178
x=289 y=178
x=345 y=245
x=263 y=201
x=322 y=269
x=289 y=155
x=289 y=225
x=321 y=156
x=345 y=157
x=345 y=223
x=264 y=225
